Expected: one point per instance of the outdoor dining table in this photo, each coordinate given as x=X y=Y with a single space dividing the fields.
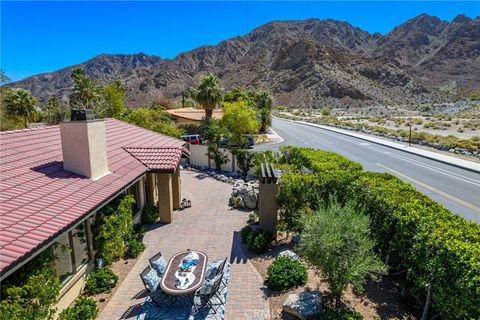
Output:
x=168 y=283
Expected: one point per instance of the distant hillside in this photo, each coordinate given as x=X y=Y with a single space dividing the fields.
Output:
x=310 y=63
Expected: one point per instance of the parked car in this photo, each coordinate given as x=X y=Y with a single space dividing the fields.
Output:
x=226 y=143
x=192 y=138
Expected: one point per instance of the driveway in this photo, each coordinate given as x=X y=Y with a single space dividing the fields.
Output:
x=209 y=226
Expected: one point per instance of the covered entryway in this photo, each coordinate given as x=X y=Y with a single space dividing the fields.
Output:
x=163 y=183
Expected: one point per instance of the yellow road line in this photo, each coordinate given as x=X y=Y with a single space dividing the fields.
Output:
x=426 y=186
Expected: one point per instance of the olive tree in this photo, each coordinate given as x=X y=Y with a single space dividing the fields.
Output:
x=336 y=241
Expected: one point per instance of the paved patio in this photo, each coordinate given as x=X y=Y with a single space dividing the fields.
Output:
x=209 y=226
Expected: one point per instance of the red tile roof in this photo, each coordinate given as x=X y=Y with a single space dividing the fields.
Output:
x=193 y=114
x=38 y=199
x=158 y=159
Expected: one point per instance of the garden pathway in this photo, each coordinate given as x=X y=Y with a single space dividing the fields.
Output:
x=209 y=226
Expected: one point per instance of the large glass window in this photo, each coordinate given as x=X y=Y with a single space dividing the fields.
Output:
x=133 y=190
x=79 y=243
x=71 y=252
x=63 y=254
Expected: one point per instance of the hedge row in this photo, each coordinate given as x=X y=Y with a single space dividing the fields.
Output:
x=434 y=245
x=415 y=234
x=309 y=183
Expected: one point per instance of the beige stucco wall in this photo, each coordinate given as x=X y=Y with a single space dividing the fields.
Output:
x=176 y=189
x=227 y=166
x=72 y=289
x=198 y=155
x=84 y=147
x=165 y=198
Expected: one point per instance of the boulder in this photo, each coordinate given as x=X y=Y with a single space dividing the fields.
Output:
x=248 y=195
x=304 y=305
x=288 y=253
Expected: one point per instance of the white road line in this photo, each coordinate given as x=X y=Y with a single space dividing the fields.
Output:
x=426 y=186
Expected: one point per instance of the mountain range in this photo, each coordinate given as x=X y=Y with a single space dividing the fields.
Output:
x=307 y=63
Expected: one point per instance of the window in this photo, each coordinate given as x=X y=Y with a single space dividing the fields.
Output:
x=79 y=244
x=63 y=254
x=71 y=252
x=133 y=190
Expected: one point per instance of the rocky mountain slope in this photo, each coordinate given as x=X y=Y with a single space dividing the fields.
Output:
x=310 y=62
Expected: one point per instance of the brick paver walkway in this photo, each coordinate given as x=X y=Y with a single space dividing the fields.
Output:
x=209 y=226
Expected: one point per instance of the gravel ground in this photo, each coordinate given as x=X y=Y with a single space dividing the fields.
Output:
x=380 y=300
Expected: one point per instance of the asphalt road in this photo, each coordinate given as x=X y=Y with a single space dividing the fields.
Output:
x=457 y=189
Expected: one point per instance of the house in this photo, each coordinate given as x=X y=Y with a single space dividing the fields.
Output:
x=191 y=115
x=54 y=179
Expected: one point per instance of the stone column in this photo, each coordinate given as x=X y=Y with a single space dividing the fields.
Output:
x=176 y=189
x=165 y=199
x=267 y=207
x=150 y=188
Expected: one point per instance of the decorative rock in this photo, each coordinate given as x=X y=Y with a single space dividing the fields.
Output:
x=288 y=253
x=304 y=305
x=247 y=193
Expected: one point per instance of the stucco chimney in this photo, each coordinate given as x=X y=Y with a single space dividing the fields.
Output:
x=84 y=147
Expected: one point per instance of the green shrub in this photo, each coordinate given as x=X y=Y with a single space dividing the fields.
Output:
x=252 y=217
x=317 y=176
x=150 y=214
x=113 y=229
x=134 y=248
x=31 y=291
x=101 y=280
x=258 y=242
x=330 y=313
x=139 y=229
x=245 y=233
x=84 y=309
x=285 y=273
x=419 y=235
x=414 y=232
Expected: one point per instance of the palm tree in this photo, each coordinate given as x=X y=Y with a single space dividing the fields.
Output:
x=209 y=94
x=264 y=101
x=85 y=93
x=20 y=103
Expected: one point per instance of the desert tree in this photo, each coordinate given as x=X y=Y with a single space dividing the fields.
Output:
x=20 y=103
x=238 y=120
x=336 y=241
x=264 y=102
x=209 y=93
x=85 y=92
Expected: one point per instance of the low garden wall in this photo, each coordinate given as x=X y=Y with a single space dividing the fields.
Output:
x=436 y=250
x=199 y=157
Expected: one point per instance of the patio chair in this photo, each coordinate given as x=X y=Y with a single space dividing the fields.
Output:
x=157 y=266
x=152 y=285
x=219 y=270
x=202 y=300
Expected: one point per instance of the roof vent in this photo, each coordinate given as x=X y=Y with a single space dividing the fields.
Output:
x=84 y=146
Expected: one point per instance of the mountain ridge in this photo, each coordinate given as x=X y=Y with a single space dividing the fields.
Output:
x=309 y=62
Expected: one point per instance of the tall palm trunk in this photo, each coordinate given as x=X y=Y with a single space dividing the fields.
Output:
x=208 y=113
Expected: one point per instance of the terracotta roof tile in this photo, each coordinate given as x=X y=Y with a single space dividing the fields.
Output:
x=193 y=114
x=38 y=198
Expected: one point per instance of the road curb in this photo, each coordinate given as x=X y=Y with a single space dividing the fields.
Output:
x=460 y=163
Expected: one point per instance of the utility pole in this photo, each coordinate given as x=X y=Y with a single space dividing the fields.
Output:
x=410 y=134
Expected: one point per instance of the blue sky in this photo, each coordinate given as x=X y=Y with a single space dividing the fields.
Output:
x=45 y=36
